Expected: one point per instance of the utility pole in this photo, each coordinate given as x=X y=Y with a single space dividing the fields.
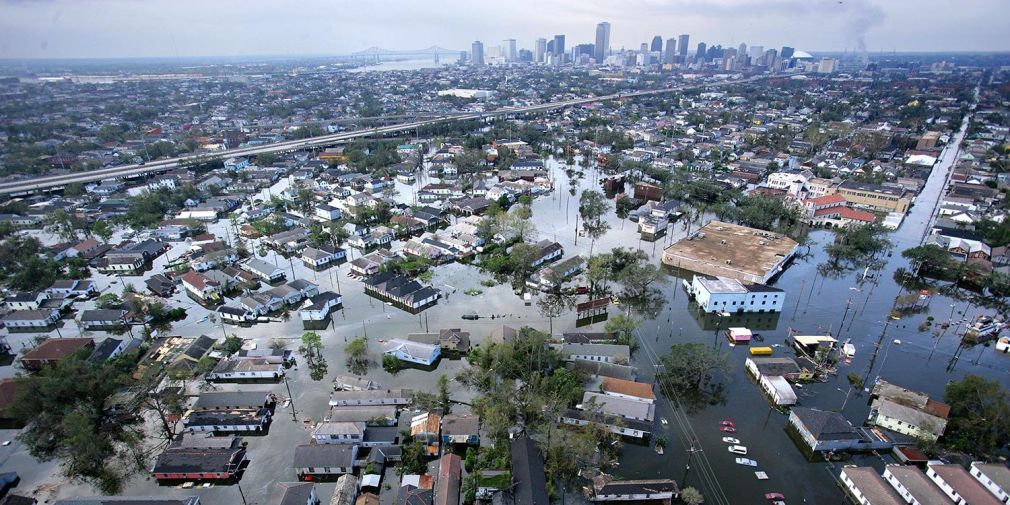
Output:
x=294 y=416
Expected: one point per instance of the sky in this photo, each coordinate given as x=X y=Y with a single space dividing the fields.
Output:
x=186 y=28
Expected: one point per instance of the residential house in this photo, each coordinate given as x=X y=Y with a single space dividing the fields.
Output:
x=227 y=420
x=245 y=369
x=319 y=307
x=606 y=489
x=371 y=263
x=412 y=352
x=547 y=251
x=607 y=353
x=237 y=314
x=397 y=397
x=267 y=271
x=103 y=319
x=322 y=257
x=27 y=300
x=335 y=432
x=913 y=486
x=108 y=349
x=347 y=382
x=551 y=277
x=866 y=487
x=72 y=288
x=205 y=462
x=631 y=390
x=823 y=431
x=449 y=339
x=461 y=429
x=995 y=477
x=160 y=285
x=907 y=412
x=410 y=294
x=959 y=485
x=448 y=484
x=201 y=288
x=233 y=400
x=312 y=462
x=625 y=407
x=528 y=475
x=115 y=500
x=53 y=350
x=293 y=493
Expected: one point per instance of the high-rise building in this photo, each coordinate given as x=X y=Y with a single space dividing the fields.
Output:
x=741 y=52
x=771 y=58
x=756 y=53
x=509 y=48
x=670 y=56
x=682 y=42
x=525 y=55
x=657 y=44
x=787 y=52
x=644 y=49
x=699 y=53
x=559 y=45
x=477 y=53
x=827 y=65
x=550 y=47
x=602 y=47
x=540 y=49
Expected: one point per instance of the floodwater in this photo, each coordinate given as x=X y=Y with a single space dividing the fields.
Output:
x=813 y=304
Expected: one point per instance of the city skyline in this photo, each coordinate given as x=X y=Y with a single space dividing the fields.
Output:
x=158 y=28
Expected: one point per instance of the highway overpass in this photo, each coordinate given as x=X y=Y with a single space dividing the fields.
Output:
x=47 y=183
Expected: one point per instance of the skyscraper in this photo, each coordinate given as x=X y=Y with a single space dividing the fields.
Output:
x=540 y=49
x=670 y=56
x=699 y=53
x=511 y=53
x=787 y=52
x=657 y=44
x=477 y=53
x=559 y=45
x=602 y=47
x=741 y=52
x=682 y=44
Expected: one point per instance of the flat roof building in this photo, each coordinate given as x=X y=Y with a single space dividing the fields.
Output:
x=729 y=250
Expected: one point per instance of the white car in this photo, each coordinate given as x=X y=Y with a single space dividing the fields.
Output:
x=730 y=440
x=737 y=449
x=746 y=462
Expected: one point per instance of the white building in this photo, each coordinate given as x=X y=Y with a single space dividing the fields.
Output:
x=724 y=294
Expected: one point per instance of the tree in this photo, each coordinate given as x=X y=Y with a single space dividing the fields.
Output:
x=522 y=256
x=357 y=355
x=312 y=349
x=689 y=368
x=65 y=225
x=593 y=206
x=691 y=496
x=102 y=230
x=623 y=208
x=108 y=301
x=638 y=280
x=443 y=393
x=63 y=409
x=979 y=421
x=856 y=245
x=554 y=304
x=625 y=326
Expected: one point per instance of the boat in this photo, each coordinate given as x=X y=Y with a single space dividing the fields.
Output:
x=726 y=422
x=848 y=349
x=761 y=475
x=760 y=351
x=738 y=335
x=984 y=328
x=659 y=449
x=730 y=440
x=728 y=429
x=746 y=462
x=663 y=421
x=527 y=298
x=1003 y=345
x=774 y=496
x=737 y=449
x=471 y=316
x=758 y=337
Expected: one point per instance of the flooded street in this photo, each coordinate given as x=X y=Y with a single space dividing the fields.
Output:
x=814 y=304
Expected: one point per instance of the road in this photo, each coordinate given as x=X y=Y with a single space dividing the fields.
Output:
x=37 y=184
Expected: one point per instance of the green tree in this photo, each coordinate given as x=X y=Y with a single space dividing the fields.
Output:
x=593 y=206
x=357 y=355
x=689 y=369
x=979 y=421
x=443 y=394
x=312 y=349
x=232 y=344
x=691 y=496
x=624 y=206
x=625 y=326
x=554 y=304
x=102 y=230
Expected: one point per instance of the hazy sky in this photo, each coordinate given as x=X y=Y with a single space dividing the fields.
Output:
x=137 y=28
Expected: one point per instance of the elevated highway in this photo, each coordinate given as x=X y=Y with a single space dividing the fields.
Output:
x=48 y=183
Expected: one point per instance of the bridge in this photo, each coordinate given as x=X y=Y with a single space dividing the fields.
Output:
x=48 y=183
x=376 y=54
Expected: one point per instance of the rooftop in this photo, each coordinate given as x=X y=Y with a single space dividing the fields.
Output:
x=730 y=249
